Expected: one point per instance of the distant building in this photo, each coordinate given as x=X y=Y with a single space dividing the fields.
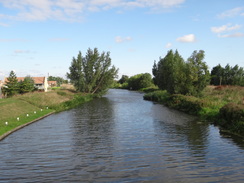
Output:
x=52 y=83
x=40 y=82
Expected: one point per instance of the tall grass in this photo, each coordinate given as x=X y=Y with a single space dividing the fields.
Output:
x=222 y=105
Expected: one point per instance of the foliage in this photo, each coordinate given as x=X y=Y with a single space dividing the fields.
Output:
x=198 y=76
x=171 y=73
x=231 y=116
x=11 y=87
x=227 y=75
x=92 y=73
x=27 y=85
x=140 y=81
x=160 y=96
x=222 y=105
x=123 y=79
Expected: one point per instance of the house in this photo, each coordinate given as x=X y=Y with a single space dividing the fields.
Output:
x=52 y=83
x=40 y=82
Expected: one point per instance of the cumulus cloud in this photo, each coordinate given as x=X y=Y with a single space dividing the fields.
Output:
x=225 y=28
x=21 y=51
x=168 y=45
x=187 y=38
x=232 y=12
x=73 y=10
x=119 y=39
x=237 y=34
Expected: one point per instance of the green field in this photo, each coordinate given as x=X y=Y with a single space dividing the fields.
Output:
x=36 y=105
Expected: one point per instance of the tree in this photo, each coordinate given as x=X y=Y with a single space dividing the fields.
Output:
x=176 y=76
x=217 y=75
x=123 y=79
x=198 y=76
x=28 y=85
x=92 y=73
x=11 y=86
x=169 y=73
x=140 y=81
x=227 y=75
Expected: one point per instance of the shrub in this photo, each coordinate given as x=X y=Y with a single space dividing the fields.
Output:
x=231 y=116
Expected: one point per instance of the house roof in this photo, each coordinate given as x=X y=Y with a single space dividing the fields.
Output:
x=52 y=82
x=37 y=80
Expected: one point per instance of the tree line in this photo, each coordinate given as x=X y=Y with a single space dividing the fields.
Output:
x=190 y=77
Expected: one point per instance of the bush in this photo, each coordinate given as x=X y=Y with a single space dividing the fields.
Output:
x=189 y=104
x=157 y=96
x=231 y=117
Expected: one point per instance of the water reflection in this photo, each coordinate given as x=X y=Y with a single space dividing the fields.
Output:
x=120 y=138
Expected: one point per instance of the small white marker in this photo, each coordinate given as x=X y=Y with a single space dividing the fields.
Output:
x=27 y=115
x=34 y=112
x=47 y=107
x=6 y=123
x=17 y=118
x=41 y=109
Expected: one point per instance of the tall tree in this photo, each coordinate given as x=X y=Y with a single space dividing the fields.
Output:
x=11 y=87
x=169 y=72
x=176 y=76
x=92 y=73
x=28 y=85
x=198 y=76
x=217 y=75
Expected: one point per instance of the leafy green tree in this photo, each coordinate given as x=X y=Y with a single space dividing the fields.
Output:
x=169 y=73
x=176 y=76
x=28 y=85
x=11 y=87
x=92 y=73
x=217 y=75
x=123 y=79
x=227 y=75
x=198 y=76
x=140 y=81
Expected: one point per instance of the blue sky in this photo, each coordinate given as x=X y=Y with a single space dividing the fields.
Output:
x=38 y=37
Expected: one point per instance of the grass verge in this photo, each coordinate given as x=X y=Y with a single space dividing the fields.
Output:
x=224 y=106
x=22 y=109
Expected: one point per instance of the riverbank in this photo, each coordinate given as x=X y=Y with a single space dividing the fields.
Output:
x=222 y=106
x=21 y=110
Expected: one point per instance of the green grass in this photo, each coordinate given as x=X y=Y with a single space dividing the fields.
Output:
x=222 y=105
x=41 y=103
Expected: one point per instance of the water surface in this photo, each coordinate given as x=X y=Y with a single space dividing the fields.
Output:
x=121 y=138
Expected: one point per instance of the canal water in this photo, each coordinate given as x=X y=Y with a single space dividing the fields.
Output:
x=121 y=138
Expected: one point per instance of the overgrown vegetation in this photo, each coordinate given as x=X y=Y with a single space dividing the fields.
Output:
x=223 y=106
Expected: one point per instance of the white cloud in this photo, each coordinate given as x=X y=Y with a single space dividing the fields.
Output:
x=21 y=51
x=187 y=38
x=238 y=34
x=168 y=45
x=225 y=28
x=73 y=10
x=232 y=12
x=119 y=39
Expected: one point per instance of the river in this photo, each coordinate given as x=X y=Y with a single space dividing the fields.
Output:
x=121 y=138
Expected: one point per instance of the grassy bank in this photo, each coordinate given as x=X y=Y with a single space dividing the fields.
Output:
x=221 y=105
x=32 y=106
